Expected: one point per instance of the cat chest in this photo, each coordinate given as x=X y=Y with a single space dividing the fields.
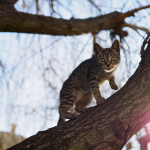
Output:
x=101 y=77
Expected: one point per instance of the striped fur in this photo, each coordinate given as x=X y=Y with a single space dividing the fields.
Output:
x=84 y=81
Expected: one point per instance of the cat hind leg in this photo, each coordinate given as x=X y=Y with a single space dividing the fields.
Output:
x=84 y=102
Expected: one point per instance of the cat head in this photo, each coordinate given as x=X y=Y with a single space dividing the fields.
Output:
x=108 y=58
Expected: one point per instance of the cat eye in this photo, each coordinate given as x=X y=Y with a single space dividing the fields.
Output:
x=102 y=60
x=112 y=58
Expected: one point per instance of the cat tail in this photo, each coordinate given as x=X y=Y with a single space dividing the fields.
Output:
x=61 y=120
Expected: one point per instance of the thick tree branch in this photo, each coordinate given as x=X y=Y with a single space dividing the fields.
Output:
x=8 y=1
x=107 y=126
x=14 y=21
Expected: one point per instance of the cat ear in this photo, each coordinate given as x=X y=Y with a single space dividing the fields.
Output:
x=97 y=48
x=116 y=45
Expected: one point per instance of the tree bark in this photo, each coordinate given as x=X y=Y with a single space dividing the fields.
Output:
x=103 y=127
x=8 y=1
x=14 y=21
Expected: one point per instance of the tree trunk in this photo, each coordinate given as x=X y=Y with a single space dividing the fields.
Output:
x=103 y=127
x=14 y=21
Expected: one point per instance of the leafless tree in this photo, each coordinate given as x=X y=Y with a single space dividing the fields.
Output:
x=115 y=23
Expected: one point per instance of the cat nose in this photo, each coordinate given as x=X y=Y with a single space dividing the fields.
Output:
x=107 y=65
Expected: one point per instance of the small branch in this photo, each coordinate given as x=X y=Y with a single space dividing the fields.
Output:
x=2 y=66
x=82 y=50
x=91 y=1
x=124 y=5
x=134 y=27
x=131 y=12
x=37 y=6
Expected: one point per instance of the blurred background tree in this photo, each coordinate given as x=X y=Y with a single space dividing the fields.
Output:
x=33 y=67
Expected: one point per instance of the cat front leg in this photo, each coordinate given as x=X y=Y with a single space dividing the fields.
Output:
x=112 y=83
x=99 y=99
x=94 y=85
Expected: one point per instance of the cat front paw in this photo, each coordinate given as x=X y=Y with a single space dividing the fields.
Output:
x=74 y=115
x=114 y=86
x=100 y=100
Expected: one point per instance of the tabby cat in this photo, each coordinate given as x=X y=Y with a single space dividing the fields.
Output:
x=84 y=81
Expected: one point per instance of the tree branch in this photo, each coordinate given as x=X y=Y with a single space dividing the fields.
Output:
x=134 y=27
x=131 y=12
x=8 y=1
x=107 y=126
x=14 y=21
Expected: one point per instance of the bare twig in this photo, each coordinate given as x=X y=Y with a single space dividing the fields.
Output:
x=82 y=50
x=64 y=7
x=2 y=66
x=131 y=12
x=136 y=27
x=91 y=1
x=124 y=5
x=26 y=59
x=37 y=6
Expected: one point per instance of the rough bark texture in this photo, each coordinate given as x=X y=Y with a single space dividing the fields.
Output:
x=8 y=1
x=14 y=21
x=103 y=127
